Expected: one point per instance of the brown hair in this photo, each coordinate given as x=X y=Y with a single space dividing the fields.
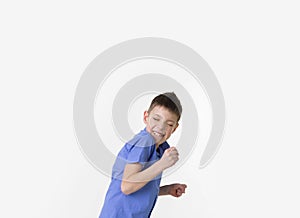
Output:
x=168 y=100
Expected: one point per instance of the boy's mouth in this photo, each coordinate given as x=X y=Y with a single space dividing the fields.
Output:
x=158 y=134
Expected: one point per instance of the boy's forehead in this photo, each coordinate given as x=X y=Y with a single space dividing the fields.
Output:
x=161 y=110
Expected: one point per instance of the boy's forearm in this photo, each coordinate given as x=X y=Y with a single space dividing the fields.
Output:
x=163 y=190
x=138 y=180
x=148 y=174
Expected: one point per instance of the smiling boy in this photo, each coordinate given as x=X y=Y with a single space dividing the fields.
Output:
x=137 y=171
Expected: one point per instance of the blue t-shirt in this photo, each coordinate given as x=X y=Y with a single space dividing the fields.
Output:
x=140 y=149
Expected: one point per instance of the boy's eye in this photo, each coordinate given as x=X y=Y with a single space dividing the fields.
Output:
x=171 y=125
x=155 y=119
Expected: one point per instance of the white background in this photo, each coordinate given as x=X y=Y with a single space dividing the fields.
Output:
x=253 y=48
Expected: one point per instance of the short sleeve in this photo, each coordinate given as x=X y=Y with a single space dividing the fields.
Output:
x=140 y=149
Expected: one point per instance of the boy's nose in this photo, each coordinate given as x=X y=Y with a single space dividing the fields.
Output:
x=162 y=127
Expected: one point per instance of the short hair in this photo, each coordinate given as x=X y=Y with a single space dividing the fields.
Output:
x=168 y=100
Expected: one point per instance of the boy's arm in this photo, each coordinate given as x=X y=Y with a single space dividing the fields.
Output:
x=176 y=190
x=164 y=190
x=134 y=178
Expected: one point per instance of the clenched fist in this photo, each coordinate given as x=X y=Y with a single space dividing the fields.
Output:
x=169 y=158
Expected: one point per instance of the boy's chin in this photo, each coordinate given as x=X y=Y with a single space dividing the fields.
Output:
x=156 y=138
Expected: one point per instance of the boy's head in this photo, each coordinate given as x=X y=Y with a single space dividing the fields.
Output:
x=162 y=117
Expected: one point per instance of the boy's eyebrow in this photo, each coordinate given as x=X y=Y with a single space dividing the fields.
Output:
x=167 y=120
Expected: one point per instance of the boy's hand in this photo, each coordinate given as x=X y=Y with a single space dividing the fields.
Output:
x=169 y=158
x=176 y=190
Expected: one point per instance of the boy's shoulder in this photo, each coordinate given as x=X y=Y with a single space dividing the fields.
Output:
x=142 y=139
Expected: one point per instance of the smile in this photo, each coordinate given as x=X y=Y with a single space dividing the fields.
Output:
x=158 y=134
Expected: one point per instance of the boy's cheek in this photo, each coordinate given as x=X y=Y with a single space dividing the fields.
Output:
x=167 y=136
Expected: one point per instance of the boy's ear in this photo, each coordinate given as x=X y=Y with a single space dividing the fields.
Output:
x=146 y=116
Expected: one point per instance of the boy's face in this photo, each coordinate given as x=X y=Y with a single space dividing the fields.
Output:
x=160 y=123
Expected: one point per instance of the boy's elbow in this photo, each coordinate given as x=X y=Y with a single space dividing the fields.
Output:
x=126 y=188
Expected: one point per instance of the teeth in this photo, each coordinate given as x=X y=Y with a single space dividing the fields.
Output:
x=158 y=134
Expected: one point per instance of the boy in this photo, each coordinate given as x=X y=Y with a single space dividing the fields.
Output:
x=137 y=171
